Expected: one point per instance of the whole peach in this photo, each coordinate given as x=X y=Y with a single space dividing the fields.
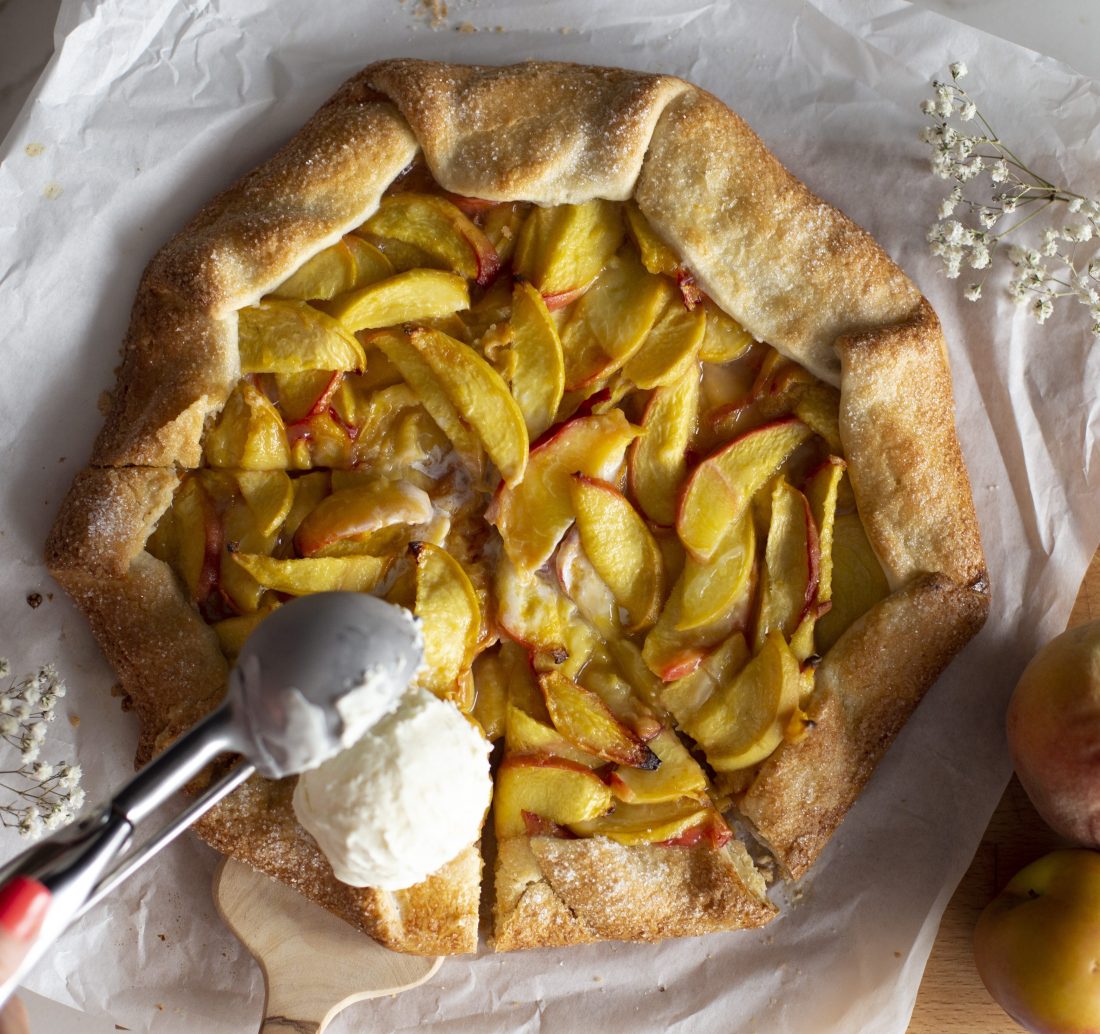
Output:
x=1037 y=945
x=1054 y=733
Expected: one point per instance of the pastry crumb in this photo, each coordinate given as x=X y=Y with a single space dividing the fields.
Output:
x=34 y=600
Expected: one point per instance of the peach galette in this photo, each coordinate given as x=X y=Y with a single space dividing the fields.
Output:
x=658 y=447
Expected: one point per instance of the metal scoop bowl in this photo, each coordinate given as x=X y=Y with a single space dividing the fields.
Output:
x=313 y=678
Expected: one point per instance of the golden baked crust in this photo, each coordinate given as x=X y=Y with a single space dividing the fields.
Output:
x=789 y=267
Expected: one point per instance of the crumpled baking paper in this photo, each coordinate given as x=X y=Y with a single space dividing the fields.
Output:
x=150 y=106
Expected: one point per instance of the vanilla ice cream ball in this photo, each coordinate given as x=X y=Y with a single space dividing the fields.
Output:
x=404 y=800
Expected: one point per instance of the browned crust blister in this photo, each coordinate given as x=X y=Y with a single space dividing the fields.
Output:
x=789 y=267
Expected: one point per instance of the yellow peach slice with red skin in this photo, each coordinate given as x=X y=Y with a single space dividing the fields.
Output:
x=621 y=548
x=198 y=535
x=553 y=788
x=450 y=617
x=480 y=397
x=678 y=775
x=525 y=734
x=791 y=564
x=685 y=696
x=654 y=823
x=658 y=459
x=538 y=380
x=725 y=339
x=361 y=510
x=490 y=694
x=269 y=495
x=304 y=394
x=276 y=336
x=612 y=321
x=713 y=589
x=744 y=721
x=533 y=515
x=582 y=717
x=248 y=433
x=398 y=347
x=562 y=249
x=440 y=228
x=243 y=534
x=349 y=263
x=720 y=488
x=856 y=577
x=416 y=294
x=502 y=224
x=822 y=488
x=299 y=577
x=673 y=654
x=670 y=349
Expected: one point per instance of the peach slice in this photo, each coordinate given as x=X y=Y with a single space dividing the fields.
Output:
x=657 y=256
x=525 y=734
x=309 y=490
x=243 y=534
x=722 y=486
x=360 y=510
x=822 y=488
x=436 y=226
x=858 y=582
x=480 y=398
x=791 y=564
x=269 y=495
x=533 y=515
x=684 y=697
x=502 y=224
x=299 y=577
x=538 y=380
x=645 y=823
x=234 y=632
x=715 y=589
x=248 y=433
x=744 y=721
x=621 y=548
x=490 y=708
x=198 y=538
x=610 y=323
x=818 y=406
x=561 y=250
x=448 y=610
x=670 y=349
x=419 y=375
x=289 y=336
x=678 y=775
x=349 y=263
x=305 y=393
x=553 y=788
x=725 y=339
x=658 y=460
x=540 y=618
x=582 y=717
x=417 y=294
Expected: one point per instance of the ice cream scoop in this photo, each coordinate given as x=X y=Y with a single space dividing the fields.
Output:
x=314 y=677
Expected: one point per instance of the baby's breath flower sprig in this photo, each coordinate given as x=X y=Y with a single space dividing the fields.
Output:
x=1055 y=267
x=42 y=796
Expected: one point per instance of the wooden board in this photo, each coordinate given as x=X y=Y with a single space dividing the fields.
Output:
x=952 y=998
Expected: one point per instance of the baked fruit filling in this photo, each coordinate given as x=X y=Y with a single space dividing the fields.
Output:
x=626 y=526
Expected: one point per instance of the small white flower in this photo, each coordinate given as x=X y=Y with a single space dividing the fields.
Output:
x=1041 y=309
x=8 y=725
x=1008 y=205
x=1094 y=269
x=31 y=695
x=1078 y=234
x=1017 y=290
x=1074 y=204
x=30 y=824
x=22 y=709
x=29 y=752
x=968 y=111
x=958 y=69
x=69 y=776
x=979 y=256
x=973 y=292
x=987 y=217
x=76 y=800
x=37 y=733
x=944 y=107
x=57 y=816
x=998 y=171
x=42 y=771
x=1050 y=242
x=928 y=107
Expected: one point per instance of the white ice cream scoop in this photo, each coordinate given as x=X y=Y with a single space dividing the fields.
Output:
x=316 y=675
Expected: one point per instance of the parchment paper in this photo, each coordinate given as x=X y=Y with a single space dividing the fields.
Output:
x=150 y=106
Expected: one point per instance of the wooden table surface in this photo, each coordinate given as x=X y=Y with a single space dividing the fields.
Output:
x=952 y=998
